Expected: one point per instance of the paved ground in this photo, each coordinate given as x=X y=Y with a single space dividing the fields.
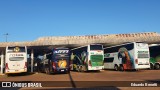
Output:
x=106 y=79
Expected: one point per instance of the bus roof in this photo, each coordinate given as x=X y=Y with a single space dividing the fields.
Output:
x=15 y=46
x=61 y=48
x=123 y=44
x=153 y=45
x=84 y=46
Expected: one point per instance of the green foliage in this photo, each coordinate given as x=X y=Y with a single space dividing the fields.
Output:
x=152 y=60
x=158 y=58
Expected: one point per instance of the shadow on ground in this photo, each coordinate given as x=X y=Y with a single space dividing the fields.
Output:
x=19 y=74
x=133 y=70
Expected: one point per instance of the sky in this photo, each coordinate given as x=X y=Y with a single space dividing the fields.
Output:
x=27 y=20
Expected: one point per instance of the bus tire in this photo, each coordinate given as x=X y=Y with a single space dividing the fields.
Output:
x=78 y=68
x=116 y=67
x=151 y=66
x=121 y=68
x=81 y=68
x=85 y=68
x=157 y=66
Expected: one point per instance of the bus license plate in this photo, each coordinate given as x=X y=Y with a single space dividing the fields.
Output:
x=62 y=70
x=97 y=67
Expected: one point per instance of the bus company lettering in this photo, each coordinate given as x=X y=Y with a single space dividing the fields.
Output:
x=61 y=51
x=15 y=55
x=143 y=51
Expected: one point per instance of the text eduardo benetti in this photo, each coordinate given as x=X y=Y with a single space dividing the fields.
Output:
x=144 y=84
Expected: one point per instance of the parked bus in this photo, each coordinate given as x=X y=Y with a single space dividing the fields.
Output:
x=16 y=59
x=154 y=56
x=87 y=58
x=134 y=55
x=57 y=61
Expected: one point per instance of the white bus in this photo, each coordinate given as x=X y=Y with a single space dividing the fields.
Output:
x=134 y=55
x=87 y=58
x=16 y=59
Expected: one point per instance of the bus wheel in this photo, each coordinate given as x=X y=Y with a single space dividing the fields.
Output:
x=157 y=66
x=121 y=68
x=78 y=68
x=84 y=68
x=151 y=66
x=116 y=68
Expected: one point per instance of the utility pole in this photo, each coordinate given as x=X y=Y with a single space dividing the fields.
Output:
x=6 y=36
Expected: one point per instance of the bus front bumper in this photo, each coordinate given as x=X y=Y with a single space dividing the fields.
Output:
x=142 y=66
x=95 y=67
x=16 y=71
x=62 y=70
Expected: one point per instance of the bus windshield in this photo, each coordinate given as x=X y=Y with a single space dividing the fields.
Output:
x=96 y=47
x=15 y=49
x=142 y=45
x=59 y=53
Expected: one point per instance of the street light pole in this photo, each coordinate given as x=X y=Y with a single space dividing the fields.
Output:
x=6 y=36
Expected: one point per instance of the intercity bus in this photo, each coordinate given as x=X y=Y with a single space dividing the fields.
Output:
x=134 y=55
x=57 y=61
x=87 y=58
x=16 y=59
x=154 y=56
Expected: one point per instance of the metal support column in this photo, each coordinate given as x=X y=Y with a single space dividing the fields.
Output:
x=2 y=62
x=32 y=59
